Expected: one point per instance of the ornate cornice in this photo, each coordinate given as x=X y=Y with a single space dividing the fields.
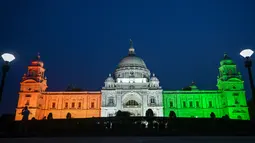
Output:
x=70 y=93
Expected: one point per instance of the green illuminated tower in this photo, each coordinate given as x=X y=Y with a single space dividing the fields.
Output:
x=229 y=99
x=231 y=85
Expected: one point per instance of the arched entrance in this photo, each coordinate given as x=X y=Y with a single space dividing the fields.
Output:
x=132 y=102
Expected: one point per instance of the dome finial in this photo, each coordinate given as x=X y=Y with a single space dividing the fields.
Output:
x=131 y=43
x=38 y=56
x=131 y=48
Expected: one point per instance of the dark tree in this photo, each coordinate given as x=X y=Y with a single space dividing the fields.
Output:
x=50 y=116
x=172 y=115
x=123 y=114
x=226 y=117
x=73 y=88
x=149 y=113
x=68 y=116
x=212 y=115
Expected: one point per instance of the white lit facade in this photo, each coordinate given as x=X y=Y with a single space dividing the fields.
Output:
x=131 y=88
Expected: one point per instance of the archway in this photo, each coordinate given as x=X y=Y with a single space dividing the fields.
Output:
x=132 y=102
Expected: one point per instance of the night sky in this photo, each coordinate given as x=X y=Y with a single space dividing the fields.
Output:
x=81 y=42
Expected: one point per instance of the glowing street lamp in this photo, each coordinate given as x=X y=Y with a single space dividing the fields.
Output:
x=247 y=53
x=5 y=68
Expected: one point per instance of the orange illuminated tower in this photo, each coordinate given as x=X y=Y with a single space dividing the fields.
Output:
x=32 y=85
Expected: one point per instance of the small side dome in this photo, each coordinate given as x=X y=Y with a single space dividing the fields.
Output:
x=109 y=79
x=154 y=78
x=193 y=86
x=154 y=82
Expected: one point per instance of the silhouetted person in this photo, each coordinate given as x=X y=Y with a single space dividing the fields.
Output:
x=172 y=115
x=149 y=113
x=212 y=115
x=68 y=116
x=25 y=114
x=50 y=116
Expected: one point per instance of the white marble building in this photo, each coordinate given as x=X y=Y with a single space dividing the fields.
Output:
x=131 y=88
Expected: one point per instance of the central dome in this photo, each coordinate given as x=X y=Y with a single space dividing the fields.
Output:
x=132 y=61
x=132 y=66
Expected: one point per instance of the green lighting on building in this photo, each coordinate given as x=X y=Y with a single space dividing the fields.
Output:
x=229 y=99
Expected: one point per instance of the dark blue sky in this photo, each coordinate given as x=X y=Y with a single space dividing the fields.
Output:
x=81 y=42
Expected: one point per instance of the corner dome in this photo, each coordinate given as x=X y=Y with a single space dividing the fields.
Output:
x=226 y=60
x=109 y=79
x=154 y=78
x=37 y=61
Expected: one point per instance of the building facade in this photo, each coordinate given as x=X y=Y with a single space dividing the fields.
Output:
x=132 y=89
x=41 y=103
x=229 y=99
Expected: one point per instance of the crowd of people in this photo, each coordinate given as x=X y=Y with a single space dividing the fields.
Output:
x=123 y=124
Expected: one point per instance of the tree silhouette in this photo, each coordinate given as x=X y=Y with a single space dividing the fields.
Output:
x=149 y=113
x=212 y=115
x=123 y=114
x=50 y=116
x=68 y=116
x=172 y=115
x=226 y=117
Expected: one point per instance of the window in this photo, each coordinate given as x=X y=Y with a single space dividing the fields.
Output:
x=110 y=101
x=53 y=105
x=131 y=103
x=210 y=104
x=27 y=103
x=236 y=101
x=184 y=104
x=66 y=105
x=229 y=72
x=235 y=94
x=190 y=104
x=92 y=105
x=171 y=104
x=197 y=104
x=28 y=95
x=152 y=100
x=79 y=105
x=73 y=105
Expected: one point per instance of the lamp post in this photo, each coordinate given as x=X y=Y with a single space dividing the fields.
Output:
x=247 y=53
x=5 y=68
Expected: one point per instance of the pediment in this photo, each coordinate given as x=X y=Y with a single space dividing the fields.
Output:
x=234 y=79
x=29 y=81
